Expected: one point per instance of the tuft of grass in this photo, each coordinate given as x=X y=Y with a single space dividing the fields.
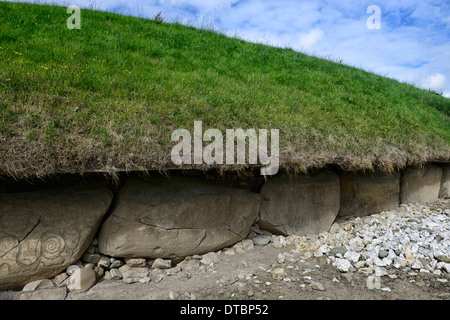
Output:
x=108 y=96
x=159 y=18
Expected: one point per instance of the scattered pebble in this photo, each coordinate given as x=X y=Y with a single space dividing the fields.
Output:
x=317 y=286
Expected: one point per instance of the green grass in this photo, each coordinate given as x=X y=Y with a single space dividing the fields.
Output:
x=110 y=94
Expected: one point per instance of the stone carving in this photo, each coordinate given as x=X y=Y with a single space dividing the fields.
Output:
x=49 y=246
x=43 y=232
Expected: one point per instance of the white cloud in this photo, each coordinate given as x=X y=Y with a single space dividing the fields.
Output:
x=434 y=82
x=308 y=40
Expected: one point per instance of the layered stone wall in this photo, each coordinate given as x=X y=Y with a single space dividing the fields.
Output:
x=46 y=227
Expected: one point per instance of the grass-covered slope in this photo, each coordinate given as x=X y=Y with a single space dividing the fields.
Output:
x=110 y=94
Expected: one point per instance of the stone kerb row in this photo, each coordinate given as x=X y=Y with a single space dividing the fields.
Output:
x=43 y=232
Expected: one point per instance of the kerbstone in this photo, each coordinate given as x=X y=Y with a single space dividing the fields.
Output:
x=177 y=217
x=421 y=185
x=43 y=232
x=300 y=205
x=365 y=194
x=444 y=191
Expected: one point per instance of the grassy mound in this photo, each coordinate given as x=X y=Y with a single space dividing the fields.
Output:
x=109 y=95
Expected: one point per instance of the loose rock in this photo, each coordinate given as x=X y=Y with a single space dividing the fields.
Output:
x=162 y=263
x=342 y=265
x=136 y=262
x=38 y=284
x=104 y=262
x=278 y=274
x=209 y=258
x=261 y=240
x=90 y=257
x=317 y=286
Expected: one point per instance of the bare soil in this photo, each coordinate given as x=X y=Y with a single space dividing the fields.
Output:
x=245 y=277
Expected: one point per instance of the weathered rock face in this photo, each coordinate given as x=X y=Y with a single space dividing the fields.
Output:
x=444 y=191
x=362 y=195
x=300 y=205
x=421 y=184
x=175 y=218
x=43 y=232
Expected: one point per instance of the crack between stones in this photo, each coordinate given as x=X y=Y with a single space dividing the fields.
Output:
x=20 y=240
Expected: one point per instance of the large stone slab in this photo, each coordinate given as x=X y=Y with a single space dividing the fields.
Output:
x=444 y=191
x=421 y=185
x=177 y=217
x=300 y=205
x=43 y=232
x=365 y=194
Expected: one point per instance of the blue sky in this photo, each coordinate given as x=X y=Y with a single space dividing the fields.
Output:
x=411 y=45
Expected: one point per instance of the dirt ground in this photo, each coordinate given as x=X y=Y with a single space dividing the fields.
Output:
x=245 y=276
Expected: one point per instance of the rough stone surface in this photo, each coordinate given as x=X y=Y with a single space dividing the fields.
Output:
x=363 y=195
x=136 y=262
x=38 y=284
x=60 y=280
x=444 y=191
x=43 y=232
x=104 y=262
x=115 y=274
x=133 y=274
x=244 y=245
x=176 y=218
x=261 y=240
x=90 y=257
x=278 y=274
x=300 y=205
x=421 y=185
x=208 y=258
x=342 y=265
x=45 y=294
x=161 y=263
x=317 y=286
x=116 y=263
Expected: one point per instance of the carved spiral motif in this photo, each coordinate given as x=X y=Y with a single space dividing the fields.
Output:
x=52 y=244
